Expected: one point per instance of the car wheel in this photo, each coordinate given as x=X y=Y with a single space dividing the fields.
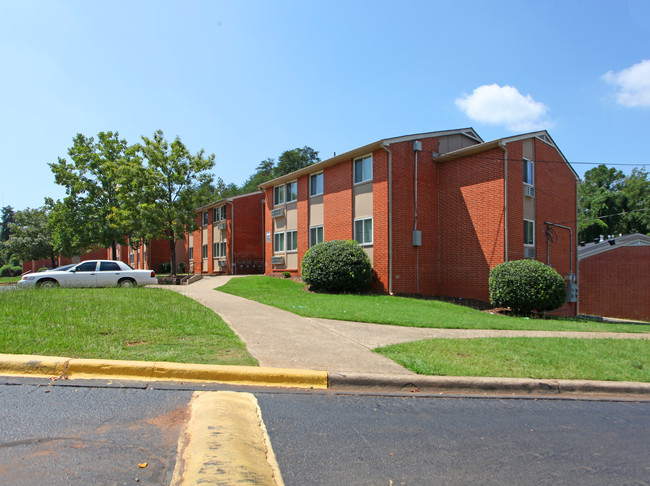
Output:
x=47 y=284
x=127 y=282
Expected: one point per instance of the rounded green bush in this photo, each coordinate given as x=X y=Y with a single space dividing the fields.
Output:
x=337 y=266
x=526 y=285
x=10 y=270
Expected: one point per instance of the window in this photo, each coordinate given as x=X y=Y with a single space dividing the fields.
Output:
x=86 y=267
x=316 y=184
x=219 y=214
x=109 y=267
x=315 y=235
x=278 y=195
x=529 y=232
x=191 y=254
x=292 y=240
x=215 y=250
x=292 y=191
x=363 y=169
x=278 y=242
x=363 y=231
x=529 y=172
x=219 y=249
x=205 y=218
x=223 y=249
x=204 y=251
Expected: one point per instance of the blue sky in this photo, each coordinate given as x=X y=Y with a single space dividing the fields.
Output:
x=246 y=80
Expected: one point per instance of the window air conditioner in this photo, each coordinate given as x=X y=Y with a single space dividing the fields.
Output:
x=221 y=226
x=277 y=260
x=529 y=252
x=222 y=263
x=529 y=191
x=277 y=213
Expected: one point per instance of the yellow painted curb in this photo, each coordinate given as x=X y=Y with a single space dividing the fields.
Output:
x=225 y=442
x=49 y=366
x=26 y=364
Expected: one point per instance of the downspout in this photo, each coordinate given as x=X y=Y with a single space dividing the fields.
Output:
x=505 y=200
x=390 y=218
x=233 y=268
x=417 y=146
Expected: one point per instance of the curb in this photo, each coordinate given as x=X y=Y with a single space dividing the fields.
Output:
x=465 y=384
x=69 y=368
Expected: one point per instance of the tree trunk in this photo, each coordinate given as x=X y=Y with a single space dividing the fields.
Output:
x=52 y=258
x=172 y=254
x=114 y=250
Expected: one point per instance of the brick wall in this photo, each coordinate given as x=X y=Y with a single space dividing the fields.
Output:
x=471 y=223
x=248 y=252
x=616 y=283
x=337 y=201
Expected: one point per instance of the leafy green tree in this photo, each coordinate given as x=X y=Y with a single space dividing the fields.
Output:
x=31 y=238
x=611 y=203
x=295 y=159
x=263 y=172
x=91 y=213
x=172 y=175
x=8 y=215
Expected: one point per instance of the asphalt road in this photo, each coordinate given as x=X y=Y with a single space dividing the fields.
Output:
x=92 y=435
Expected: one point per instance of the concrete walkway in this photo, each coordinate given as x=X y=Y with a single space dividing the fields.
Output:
x=281 y=339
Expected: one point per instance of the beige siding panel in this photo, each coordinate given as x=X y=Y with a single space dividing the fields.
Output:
x=291 y=260
x=316 y=211
x=279 y=224
x=450 y=143
x=292 y=216
x=528 y=147
x=204 y=235
x=363 y=201
x=529 y=208
x=370 y=252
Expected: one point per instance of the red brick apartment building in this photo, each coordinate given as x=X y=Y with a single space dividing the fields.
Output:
x=434 y=211
x=97 y=254
x=149 y=256
x=615 y=278
x=230 y=236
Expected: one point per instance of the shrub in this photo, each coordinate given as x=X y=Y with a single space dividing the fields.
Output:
x=43 y=269
x=164 y=267
x=337 y=266
x=286 y=274
x=526 y=285
x=10 y=270
x=181 y=267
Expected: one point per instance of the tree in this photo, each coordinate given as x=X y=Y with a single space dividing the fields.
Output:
x=31 y=238
x=263 y=172
x=8 y=214
x=611 y=203
x=296 y=159
x=172 y=176
x=94 y=181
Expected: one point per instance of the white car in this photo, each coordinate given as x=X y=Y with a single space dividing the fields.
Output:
x=91 y=273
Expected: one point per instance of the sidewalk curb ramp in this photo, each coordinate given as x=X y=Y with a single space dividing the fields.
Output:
x=54 y=367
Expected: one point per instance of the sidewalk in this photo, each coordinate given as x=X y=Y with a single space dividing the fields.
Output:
x=278 y=338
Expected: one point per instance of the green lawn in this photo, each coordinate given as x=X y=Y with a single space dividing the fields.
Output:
x=9 y=279
x=113 y=323
x=400 y=311
x=557 y=358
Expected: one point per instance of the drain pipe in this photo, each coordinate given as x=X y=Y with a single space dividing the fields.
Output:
x=390 y=218
x=417 y=235
x=233 y=268
x=505 y=200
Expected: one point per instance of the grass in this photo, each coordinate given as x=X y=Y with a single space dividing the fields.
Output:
x=136 y=324
x=9 y=279
x=554 y=358
x=400 y=311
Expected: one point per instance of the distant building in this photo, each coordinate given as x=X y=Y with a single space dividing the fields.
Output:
x=615 y=277
x=230 y=236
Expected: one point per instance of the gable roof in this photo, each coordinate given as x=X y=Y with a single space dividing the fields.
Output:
x=542 y=135
x=224 y=200
x=365 y=149
x=591 y=249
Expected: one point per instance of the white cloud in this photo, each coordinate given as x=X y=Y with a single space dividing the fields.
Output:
x=633 y=84
x=504 y=105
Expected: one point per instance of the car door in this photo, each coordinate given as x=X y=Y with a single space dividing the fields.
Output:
x=109 y=274
x=84 y=275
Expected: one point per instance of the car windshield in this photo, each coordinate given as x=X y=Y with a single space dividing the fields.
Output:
x=62 y=268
